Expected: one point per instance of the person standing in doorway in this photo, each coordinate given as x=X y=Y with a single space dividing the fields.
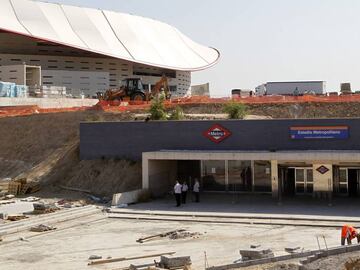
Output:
x=196 y=190
x=184 y=191
x=177 y=191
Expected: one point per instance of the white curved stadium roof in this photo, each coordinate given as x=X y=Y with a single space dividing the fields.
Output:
x=133 y=38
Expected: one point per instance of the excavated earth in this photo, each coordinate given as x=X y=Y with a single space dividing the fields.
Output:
x=45 y=146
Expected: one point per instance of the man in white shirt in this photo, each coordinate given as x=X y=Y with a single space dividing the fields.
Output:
x=196 y=190
x=177 y=191
x=184 y=190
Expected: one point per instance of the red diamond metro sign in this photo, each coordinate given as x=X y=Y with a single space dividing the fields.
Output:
x=217 y=133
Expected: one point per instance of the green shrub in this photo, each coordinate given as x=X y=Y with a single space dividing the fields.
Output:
x=177 y=114
x=157 y=108
x=235 y=110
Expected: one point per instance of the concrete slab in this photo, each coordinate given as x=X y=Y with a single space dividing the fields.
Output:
x=343 y=210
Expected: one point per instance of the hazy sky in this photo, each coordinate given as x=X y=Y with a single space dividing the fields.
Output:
x=262 y=40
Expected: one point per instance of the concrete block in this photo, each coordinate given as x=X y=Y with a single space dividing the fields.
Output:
x=281 y=258
x=174 y=262
x=292 y=249
x=256 y=254
x=3 y=216
x=352 y=248
x=260 y=261
x=312 y=258
x=126 y=197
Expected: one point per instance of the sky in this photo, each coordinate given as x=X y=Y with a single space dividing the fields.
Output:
x=261 y=40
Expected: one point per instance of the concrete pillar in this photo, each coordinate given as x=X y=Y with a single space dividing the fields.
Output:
x=145 y=173
x=323 y=177
x=274 y=178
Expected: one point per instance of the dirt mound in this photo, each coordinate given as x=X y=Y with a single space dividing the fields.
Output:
x=301 y=110
x=100 y=177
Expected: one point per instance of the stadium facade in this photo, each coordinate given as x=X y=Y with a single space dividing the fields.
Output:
x=91 y=50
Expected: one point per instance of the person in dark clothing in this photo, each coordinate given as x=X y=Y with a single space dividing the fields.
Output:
x=196 y=191
x=184 y=191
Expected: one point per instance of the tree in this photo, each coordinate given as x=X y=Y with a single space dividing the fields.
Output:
x=235 y=110
x=157 y=108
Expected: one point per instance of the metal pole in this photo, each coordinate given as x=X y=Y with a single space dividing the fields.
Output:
x=317 y=239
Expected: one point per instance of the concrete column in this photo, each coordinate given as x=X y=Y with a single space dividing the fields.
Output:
x=323 y=177
x=274 y=178
x=145 y=173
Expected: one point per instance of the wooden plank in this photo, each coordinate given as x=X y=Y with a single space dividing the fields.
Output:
x=129 y=258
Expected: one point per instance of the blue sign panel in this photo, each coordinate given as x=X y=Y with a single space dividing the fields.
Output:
x=335 y=132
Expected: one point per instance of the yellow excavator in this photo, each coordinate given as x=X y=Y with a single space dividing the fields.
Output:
x=133 y=89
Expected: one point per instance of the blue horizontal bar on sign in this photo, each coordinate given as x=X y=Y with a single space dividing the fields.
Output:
x=336 y=132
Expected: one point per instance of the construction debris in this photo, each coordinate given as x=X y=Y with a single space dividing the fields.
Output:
x=183 y=235
x=16 y=217
x=95 y=257
x=256 y=254
x=18 y=186
x=292 y=249
x=128 y=258
x=42 y=208
x=30 y=199
x=42 y=228
x=160 y=235
x=173 y=235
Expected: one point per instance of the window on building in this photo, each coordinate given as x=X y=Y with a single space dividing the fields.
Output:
x=240 y=175
x=262 y=176
x=213 y=175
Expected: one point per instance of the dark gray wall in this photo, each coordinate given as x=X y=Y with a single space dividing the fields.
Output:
x=130 y=139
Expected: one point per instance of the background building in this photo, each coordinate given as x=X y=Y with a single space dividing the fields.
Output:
x=90 y=50
x=292 y=88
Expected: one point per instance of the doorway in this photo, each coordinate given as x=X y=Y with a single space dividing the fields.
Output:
x=287 y=178
x=188 y=170
x=353 y=182
x=304 y=181
x=349 y=179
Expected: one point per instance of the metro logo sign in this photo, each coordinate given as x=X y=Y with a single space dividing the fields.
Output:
x=322 y=169
x=217 y=133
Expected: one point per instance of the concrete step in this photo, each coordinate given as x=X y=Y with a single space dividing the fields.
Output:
x=343 y=219
x=254 y=221
x=48 y=219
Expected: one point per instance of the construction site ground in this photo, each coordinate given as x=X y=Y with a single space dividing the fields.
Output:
x=71 y=244
x=44 y=147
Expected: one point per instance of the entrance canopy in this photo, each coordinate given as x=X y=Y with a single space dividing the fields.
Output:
x=282 y=172
x=338 y=156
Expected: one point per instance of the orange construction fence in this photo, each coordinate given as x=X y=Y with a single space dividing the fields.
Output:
x=118 y=106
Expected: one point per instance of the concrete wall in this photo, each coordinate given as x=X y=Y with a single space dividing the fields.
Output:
x=161 y=175
x=47 y=103
x=323 y=182
x=130 y=139
x=117 y=70
x=77 y=82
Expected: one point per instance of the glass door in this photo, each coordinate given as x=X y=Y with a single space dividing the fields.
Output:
x=304 y=181
x=299 y=181
x=343 y=182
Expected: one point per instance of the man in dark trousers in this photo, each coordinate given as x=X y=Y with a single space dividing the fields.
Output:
x=177 y=191
x=184 y=191
x=196 y=190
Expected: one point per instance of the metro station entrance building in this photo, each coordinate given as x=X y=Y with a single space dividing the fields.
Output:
x=317 y=157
